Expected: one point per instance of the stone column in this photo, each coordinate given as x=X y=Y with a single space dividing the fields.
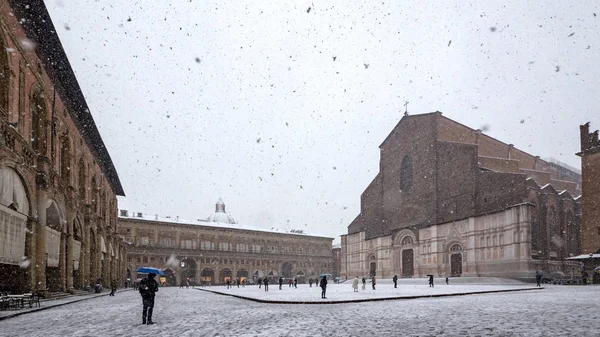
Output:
x=39 y=262
x=62 y=261
x=30 y=253
x=69 y=259
x=84 y=262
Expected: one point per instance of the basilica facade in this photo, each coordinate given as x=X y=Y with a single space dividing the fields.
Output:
x=449 y=201
x=216 y=249
x=58 y=186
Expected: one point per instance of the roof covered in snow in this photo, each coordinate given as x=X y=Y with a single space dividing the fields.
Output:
x=202 y=222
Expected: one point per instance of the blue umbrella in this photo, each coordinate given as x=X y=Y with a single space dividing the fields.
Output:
x=325 y=275
x=148 y=270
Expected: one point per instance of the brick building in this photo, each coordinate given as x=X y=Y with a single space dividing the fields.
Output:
x=590 y=172
x=58 y=186
x=217 y=248
x=450 y=200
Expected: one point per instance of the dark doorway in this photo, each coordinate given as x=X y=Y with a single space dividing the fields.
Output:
x=407 y=263
x=373 y=269
x=456 y=264
x=207 y=276
x=286 y=270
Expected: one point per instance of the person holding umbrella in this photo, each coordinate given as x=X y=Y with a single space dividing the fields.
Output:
x=148 y=288
x=430 y=280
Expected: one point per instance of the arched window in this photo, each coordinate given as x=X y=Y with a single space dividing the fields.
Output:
x=4 y=77
x=94 y=195
x=65 y=158
x=38 y=123
x=406 y=174
x=407 y=240
x=82 y=179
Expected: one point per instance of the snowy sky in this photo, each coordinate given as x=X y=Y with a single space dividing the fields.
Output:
x=279 y=106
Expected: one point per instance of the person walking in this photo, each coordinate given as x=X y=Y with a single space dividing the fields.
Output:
x=447 y=280
x=431 y=280
x=148 y=289
x=295 y=283
x=364 y=283
x=310 y=282
x=113 y=287
x=266 y=282
x=260 y=281
x=373 y=282
x=395 y=279
x=355 y=284
x=280 y=282
x=538 y=277
x=228 y=283
x=323 y=286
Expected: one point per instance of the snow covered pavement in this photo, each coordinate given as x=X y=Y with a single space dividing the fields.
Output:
x=553 y=311
x=344 y=291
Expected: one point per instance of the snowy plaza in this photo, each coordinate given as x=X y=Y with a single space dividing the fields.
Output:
x=552 y=311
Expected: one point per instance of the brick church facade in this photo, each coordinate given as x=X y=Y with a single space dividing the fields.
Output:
x=590 y=171
x=449 y=200
x=58 y=186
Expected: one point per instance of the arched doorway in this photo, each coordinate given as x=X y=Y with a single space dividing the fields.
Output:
x=14 y=210
x=224 y=275
x=55 y=241
x=207 y=276
x=372 y=265
x=242 y=275
x=286 y=270
x=188 y=269
x=170 y=276
x=456 y=260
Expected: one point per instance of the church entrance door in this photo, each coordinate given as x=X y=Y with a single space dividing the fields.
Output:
x=456 y=264
x=373 y=269
x=407 y=263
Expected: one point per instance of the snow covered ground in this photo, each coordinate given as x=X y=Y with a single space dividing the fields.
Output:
x=553 y=311
x=344 y=291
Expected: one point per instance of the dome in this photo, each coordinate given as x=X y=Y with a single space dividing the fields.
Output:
x=220 y=215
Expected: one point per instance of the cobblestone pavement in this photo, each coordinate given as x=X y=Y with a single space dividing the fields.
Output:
x=554 y=311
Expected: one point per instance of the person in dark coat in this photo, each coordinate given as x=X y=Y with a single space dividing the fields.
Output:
x=148 y=289
x=447 y=280
x=310 y=282
x=295 y=283
x=431 y=280
x=395 y=279
x=266 y=282
x=260 y=281
x=373 y=282
x=323 y=285
x=113 y=287
x=280 y=282
x=228 y=283
x=538 y=278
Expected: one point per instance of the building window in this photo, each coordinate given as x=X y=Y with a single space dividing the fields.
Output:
x=38 y=123
x=406 y=174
